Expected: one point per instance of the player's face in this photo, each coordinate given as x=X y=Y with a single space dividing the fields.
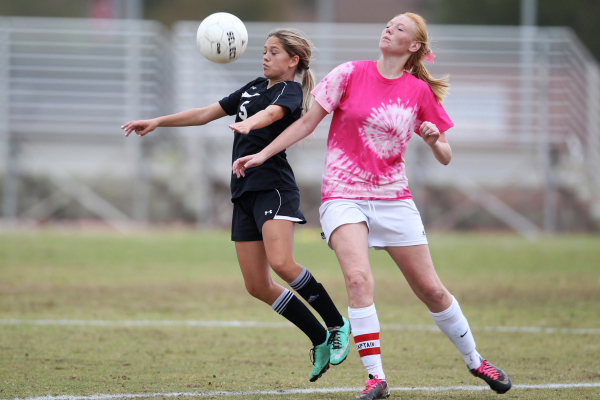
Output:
x=398 y=36
x=277 y=63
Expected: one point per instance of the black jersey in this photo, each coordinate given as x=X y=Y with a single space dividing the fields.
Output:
x=276 y=172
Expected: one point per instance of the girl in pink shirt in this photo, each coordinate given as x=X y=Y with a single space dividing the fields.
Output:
x=370 y=132
x=377 y=106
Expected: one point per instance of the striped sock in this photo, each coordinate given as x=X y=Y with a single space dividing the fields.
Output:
x=365 y=329
x=301 y=280
x=296 y=312
x=316 y=295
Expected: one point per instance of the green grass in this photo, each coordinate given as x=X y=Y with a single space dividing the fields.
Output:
x=500 y=280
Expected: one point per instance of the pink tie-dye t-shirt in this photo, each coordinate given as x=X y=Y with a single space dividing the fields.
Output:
x=373 y=120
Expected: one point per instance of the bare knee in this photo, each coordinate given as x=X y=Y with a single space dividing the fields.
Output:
x=260 y=290
x=360 y=288
x=358 y=281
x=285 y=268
x=435 y=296
x=254 y=290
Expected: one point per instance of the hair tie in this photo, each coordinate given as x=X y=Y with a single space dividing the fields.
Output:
x=428 y=56
x=307 y=67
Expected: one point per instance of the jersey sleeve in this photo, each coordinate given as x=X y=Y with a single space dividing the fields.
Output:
x=230 y=103
x=288 y=95
x=329 y=92
x=432 y=111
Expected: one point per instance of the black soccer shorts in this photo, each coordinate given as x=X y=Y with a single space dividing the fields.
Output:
x=252 y=209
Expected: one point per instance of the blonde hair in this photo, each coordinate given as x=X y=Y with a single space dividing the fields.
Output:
x=415 y=66
x=295 y=44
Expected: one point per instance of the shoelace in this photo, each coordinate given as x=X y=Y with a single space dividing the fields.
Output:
x=334 y=339
x=371 y=383
x=312 y=355
x=487 y=369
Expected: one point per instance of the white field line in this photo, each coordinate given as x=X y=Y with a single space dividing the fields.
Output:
x=302 y=391
x=256 y=324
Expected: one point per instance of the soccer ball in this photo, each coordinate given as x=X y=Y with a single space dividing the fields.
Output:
x=222 y=38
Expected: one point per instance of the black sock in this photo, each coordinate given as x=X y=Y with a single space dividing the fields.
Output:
x=296 y=312
x=316 y=295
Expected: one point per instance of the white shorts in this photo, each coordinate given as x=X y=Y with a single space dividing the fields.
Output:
x=390 y=222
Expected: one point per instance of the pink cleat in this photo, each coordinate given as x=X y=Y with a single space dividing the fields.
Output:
x=375 y=389
x=493 y=376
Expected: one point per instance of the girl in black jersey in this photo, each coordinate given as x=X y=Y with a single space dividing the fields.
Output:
x=266 y=201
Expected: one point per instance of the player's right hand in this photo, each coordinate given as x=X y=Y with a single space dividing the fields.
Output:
x=243 y=163
x=140 y=127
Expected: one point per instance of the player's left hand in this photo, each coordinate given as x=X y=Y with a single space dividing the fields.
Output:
x=243 y=163
x=429 y=132
x=240 y=127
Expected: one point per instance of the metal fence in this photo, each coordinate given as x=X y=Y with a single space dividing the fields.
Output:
x=525 y=103
x=68 y=85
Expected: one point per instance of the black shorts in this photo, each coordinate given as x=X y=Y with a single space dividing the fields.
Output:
x=252 y=209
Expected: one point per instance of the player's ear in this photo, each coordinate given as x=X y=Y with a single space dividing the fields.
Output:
x=414 y=47
x=294 y=61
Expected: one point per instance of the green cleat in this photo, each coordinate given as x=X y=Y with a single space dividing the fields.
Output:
x=319 y=356
x=339 y=342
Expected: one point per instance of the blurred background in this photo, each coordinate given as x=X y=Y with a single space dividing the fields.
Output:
x=525 y=100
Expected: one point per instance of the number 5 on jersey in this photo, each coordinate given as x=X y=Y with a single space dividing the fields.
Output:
x=243 y=114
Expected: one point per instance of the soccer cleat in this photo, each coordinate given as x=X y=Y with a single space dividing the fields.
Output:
x=319 y=356
x=339 y=342
x=375 y=389
x=493 y=376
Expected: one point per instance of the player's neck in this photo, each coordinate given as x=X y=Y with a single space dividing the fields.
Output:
x=391 y=67
x=274 y=81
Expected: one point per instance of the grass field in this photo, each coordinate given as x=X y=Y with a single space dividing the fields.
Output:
x=169 y=277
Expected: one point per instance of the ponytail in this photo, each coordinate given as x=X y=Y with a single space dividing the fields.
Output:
x=440 y=87
x=308 y=84
x=415 y=66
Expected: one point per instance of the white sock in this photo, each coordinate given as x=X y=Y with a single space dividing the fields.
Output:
x=365 y=330
x=473 y=359
x=454 y=324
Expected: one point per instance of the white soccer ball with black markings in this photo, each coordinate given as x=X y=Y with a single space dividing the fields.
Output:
x=222 y=38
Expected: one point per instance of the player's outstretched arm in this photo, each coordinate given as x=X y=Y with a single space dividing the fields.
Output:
x=261 y=119
x=193 y=117
x=437 y=141
x=294 y=133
